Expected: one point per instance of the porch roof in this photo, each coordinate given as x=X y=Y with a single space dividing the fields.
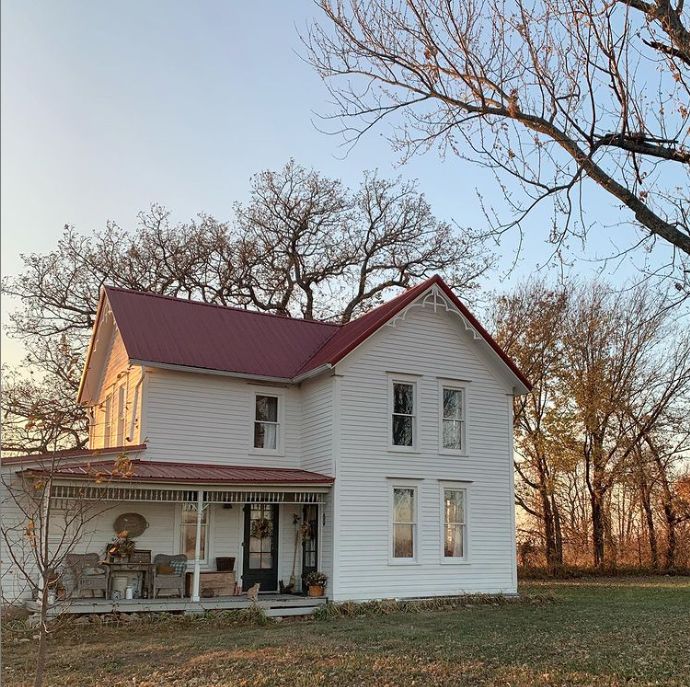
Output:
x=157 y=472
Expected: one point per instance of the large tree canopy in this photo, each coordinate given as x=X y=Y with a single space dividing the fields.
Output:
x=302 y=245
x=548 y=93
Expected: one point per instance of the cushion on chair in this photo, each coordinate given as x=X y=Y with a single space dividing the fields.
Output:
x=165 y=570
x=179 y=567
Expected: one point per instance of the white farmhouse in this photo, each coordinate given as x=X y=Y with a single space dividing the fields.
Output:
x=379 y=452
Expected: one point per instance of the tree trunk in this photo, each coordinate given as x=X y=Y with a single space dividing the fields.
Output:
x=598 y=529
x=671 y=539
x=42 y=649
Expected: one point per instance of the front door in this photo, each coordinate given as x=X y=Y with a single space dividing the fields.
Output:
x=260 y=546
x=310 y=540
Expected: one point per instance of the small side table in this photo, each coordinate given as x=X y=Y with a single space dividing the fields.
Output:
x=124 y=567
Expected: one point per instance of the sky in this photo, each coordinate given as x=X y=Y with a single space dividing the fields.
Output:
x=110 y=107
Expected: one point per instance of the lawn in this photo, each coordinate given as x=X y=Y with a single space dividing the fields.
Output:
x=600 y=632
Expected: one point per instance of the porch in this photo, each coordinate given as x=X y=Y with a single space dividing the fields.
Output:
x=274 y=605
x=234 y=528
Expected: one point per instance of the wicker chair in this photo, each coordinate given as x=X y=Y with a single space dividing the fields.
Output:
x=166 y=581
x=85 y=574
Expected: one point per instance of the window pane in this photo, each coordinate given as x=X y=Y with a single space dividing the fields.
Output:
x=452 y=434
x=403 y=541
x=402 y=430
x=265 y=435
x=452 y=404
x=267 y=408
x=189 y=533
x=266 y=561
x=454 y=506
x=403 y=505
x=453 y=546
x=403 y=398
x=255 y=560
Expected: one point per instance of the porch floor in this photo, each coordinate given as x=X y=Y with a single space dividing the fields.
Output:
x=274 y=605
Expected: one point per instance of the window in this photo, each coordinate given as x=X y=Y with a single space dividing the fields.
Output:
x=188 y=546
x=454 y=523
x=452 y=429
x=261 y=549
x=121 y=415
x=107 y=419
x=404 y=523
x=403 y=414
x=266 y=425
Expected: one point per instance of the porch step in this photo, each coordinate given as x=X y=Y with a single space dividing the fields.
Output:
x=274 y=605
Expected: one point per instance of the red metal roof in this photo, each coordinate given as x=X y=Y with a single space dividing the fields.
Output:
x=197 y=473
x=162 y=329
x=67 y=454
x=166 y=330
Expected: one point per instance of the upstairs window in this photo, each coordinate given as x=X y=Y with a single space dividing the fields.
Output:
x=403 y=414
x=266 y=425
x=452 y=428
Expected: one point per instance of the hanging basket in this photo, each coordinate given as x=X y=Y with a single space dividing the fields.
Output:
x=261 y=528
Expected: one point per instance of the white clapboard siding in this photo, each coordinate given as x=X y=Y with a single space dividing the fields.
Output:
x=317 y=425
x=318 y=453
x=431 y=345
x=209 y=419
x=117 y=372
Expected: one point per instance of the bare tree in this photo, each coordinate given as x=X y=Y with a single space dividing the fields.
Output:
x=528 y=325
x=302 y=245
x=37 y=534
x=550 y=94
x=617 y=359
x=605 y=426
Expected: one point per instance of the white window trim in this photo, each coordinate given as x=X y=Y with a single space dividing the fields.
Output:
x=279 y=450
x=404 y=379
x=121 y=417
x=205 y=562
x=458 y=486
x=392 y=560
x=450 y=384
x=108 y=407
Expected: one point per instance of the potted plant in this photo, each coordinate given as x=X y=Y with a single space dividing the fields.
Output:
x=315 y=583
x=121 y=547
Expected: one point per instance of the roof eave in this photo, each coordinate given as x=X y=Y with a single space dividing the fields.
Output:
x=89 y=350
x=209 y=371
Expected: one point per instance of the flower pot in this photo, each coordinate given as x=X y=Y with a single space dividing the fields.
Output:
x=315 y=590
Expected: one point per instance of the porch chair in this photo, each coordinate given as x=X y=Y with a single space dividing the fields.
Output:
x=85 y=573
x=173 y=575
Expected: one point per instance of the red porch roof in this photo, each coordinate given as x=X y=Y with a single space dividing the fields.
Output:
x=154 y=472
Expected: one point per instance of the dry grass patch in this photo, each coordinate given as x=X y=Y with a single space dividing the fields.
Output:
x=635 y=633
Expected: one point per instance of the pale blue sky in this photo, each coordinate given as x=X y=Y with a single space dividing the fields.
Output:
x=108 y=107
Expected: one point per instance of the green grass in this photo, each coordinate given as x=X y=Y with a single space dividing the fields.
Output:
x=593 y=632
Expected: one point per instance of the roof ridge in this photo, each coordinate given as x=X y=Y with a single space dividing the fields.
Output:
x=234 y=308
x=417 y=287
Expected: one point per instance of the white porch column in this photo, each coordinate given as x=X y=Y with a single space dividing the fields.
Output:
x=196 y=583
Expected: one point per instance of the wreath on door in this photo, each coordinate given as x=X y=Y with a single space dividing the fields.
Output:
x=261 y=528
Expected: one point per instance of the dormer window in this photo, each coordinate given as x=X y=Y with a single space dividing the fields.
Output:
x=266 y=424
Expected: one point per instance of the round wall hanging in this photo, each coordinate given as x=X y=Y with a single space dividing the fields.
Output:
x=133 y=523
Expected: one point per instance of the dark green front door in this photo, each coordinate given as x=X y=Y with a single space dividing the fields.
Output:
x=260 y=552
